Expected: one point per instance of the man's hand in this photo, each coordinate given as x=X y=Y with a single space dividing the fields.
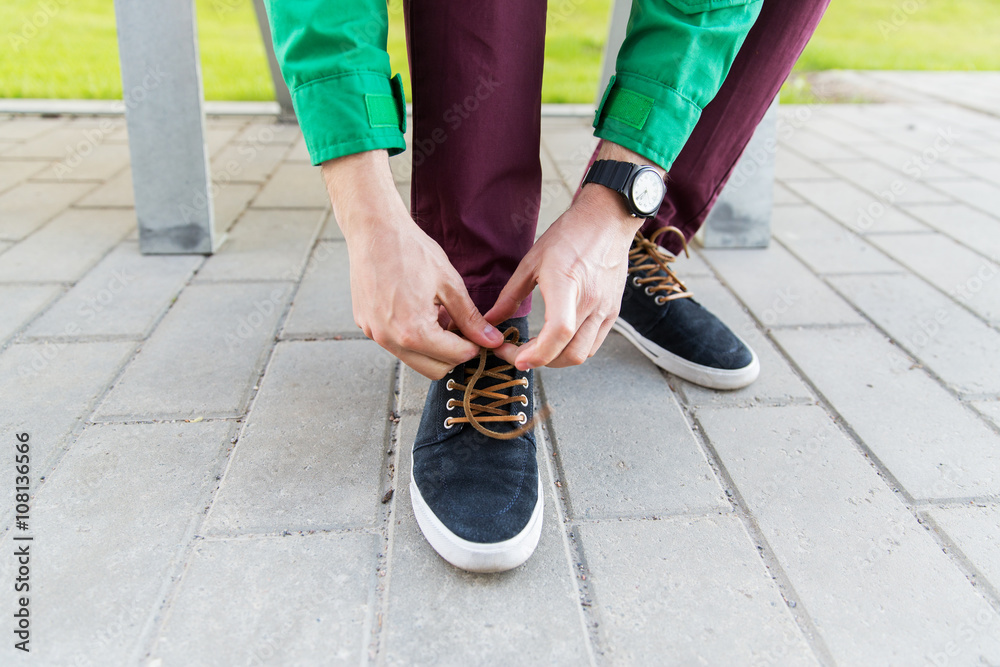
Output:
x=401 y=278
x=580 y=265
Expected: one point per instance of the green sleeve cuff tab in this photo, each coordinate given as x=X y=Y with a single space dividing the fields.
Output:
x=400 y=97
x=629 y=107
x=381 y=111
x=388 y=110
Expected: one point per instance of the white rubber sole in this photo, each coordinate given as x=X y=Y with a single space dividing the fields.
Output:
x=474 y=556
x=713 y=378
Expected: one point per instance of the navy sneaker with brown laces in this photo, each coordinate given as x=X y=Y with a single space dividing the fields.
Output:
x=659 y=316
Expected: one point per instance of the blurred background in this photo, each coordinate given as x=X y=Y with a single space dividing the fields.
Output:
x=76 y=57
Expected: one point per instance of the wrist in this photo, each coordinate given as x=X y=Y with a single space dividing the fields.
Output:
x=363 y=193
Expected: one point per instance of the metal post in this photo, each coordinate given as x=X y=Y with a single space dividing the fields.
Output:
x=162 y=89
x=618 y=24
x=280 y=89
x=741 y=218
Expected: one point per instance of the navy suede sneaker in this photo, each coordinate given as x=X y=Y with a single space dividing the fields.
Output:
x=659 y=317
x=474 y=482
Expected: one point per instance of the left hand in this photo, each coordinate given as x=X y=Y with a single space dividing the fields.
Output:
x=580 y=264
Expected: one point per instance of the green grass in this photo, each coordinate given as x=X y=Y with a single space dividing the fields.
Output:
x=71 y=50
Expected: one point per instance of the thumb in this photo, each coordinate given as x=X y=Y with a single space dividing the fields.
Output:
x=468 y=319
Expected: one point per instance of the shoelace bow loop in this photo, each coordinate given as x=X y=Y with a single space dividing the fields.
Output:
x=493 y=405
x=646 y=256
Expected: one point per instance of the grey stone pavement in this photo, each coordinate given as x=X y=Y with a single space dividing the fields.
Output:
x=219 y=461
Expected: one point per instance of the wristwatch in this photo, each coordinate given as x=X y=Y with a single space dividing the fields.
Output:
x=640 y=185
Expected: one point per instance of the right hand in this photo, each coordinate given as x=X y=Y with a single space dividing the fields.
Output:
x=400 y=277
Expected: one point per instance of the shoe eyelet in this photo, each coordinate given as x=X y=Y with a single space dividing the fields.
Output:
x=447 y=423
x=450 y=404
x=522 y=418
x=524 y=400
x=659 y=301
x=635 y=281
x=648 y=292
x=449 y=386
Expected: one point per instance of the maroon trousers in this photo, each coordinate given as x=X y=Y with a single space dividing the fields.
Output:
x=477 y=79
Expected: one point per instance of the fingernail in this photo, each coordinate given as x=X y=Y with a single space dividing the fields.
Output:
x=492 y=333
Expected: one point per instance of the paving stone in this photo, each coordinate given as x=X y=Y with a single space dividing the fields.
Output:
x=825 y=246
x=21 y=303
x=982 y=195
x=27 y=206
x=322 y=306
x=782 y=195
x=264 y=245
x=791 y=166
x=122 y=296
x=402 y=167
x=968 y=277
x=116 y=509
x=776 y=383
x=203 y=357
x=67 y=247
x=991 y=409
x=76 y=137
x=294 y=186
x=46 y=389
x=117 y=192
x=987 y=170
x=326 y=403
x=839 y=131
x=854 y=208
x=637 y=455
x=413 y=391
x=13 y=172
x=299 y=152
x=931 y=443
x=815 y=146
x=96 y=164
x=230 y=202
x=701 y=578
x=267 y=133
x=24 y=129
x=529 y=615
x=875 y=583
x=976 y=531
x=954 y=345
x=691 y=265
x=969 y=226
x=225 y=609
x=929 y=167
x=887 y=185
x=778 y=289
x=555 y=200
x=218 y=135
x=331 y=230
x=242 y=162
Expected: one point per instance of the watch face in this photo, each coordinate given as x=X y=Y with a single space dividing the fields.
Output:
x=647 y=191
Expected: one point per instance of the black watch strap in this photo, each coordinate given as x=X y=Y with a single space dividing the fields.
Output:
x=610 y=173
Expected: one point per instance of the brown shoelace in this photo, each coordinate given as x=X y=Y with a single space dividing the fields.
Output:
x=497 y=409
x=647 y=255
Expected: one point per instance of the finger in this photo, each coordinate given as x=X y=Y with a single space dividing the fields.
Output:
x=439 y=345
x=513 y=294
x=429 y=368
x=602 y=335
x=560 y=297
x=507 y=352
x=464 y=315
x=578 y=350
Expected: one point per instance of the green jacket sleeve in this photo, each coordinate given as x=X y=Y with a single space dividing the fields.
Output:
x=332 y=56
x=674 y=59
